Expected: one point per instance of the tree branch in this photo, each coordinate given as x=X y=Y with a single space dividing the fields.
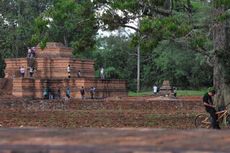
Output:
x=131 y=27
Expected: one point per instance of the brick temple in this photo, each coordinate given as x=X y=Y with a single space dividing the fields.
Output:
x=51 y=72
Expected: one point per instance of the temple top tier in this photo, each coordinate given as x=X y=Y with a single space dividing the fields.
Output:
x=53 y=49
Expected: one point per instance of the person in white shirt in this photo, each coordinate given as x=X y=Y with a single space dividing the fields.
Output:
x=102 y=73
x=31 y=70
x=22 y=71
x=33 y=52
x=154 y=89
x=68 y=70
x=28 y=52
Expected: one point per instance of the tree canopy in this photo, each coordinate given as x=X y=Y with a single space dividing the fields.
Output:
x=70 y=22
x=179 y=40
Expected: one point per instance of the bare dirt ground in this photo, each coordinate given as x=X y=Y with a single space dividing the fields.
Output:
x=117 y=125
x=148 y=111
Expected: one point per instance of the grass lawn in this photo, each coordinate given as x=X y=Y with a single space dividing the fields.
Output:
x=191 y=92
x=179 y=93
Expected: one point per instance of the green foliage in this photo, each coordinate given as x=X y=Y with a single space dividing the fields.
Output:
x=161 y=59
x=163 y=28
x=70 y=22
x=181 y=66
x=73 y=23
x=17 y=24
x=191 y=92
x=222 y=3
x=197 y=92
x=223 y=17
x=198 y=40
x=115 y=54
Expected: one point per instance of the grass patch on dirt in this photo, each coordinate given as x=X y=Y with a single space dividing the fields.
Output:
x=96 y=119
x=199 y=92
x=191 y=92
x=142 y=93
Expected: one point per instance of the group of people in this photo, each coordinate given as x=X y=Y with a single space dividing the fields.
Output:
x=31 y=52
x=22 y=71
x=48 y=93
x=92 y=92
x=68 y=69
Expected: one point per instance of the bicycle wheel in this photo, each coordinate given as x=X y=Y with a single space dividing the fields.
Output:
x=202 y=121
x=228 y=121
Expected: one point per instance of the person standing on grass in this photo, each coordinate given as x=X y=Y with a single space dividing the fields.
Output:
x=174 y=91
x=210 y=108
x=154 y=89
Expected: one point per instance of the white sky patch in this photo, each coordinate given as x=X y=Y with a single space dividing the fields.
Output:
x=46 y=18
x=121 y=31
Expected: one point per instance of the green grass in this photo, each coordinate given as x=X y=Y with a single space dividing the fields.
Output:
x=191 y=92
x=142 y=93
x=179 y=93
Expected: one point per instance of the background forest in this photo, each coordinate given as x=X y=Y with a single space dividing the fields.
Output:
x=170 y=39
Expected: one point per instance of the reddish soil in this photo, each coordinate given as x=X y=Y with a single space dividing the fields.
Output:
x=148 y=111
x=6 y=86
x=112 y=140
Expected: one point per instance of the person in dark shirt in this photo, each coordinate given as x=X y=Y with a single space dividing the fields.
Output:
x=210 y=108
x=68 y=92
x=91 y=92
x=82 y=91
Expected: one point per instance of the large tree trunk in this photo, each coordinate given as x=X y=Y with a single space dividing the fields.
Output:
x=221 y=47
x=220 y=83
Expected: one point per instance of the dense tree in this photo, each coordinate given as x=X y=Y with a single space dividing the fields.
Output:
x=182 y=66
x=16 y=26
x=221 y=50
x=157 y=20
x=24 y=23
x=70 y=22
x=17 y=22
x=173 y=38
x=116 y=55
